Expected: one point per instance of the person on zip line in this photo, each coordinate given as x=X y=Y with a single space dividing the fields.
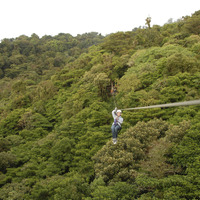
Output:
x=117 y=124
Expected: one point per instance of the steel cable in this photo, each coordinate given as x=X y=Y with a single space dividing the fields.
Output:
x=185 y=103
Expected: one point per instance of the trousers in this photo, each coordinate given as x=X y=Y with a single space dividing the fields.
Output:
x=115 y=130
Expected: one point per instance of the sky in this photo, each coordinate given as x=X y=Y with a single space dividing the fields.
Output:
x=51 y=17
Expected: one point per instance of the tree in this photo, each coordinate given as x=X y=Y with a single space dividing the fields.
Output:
x=148 y=22
x=192 y=24
x=7 y=159
x=120 y=162
x=102 y=81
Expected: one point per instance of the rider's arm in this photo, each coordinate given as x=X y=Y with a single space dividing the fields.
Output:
x=114 y=113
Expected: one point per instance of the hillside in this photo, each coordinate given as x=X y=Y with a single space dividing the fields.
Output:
x=55 y=107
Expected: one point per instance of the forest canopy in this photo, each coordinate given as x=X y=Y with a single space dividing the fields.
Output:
x=55 y=108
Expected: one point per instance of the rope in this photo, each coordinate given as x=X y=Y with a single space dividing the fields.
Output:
x=185 y=103
x=114 y=100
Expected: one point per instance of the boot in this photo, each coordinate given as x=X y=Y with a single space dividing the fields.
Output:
x=114 y=140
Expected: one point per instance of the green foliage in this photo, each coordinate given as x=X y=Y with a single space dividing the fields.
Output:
x=55 y=114
x=4 y=144
x=121 y=161
x=118 y=43
x=58 y=188
x=61 y=153
x=6 y=160
x=10 y=124
x=15 y=191
x=119 y=190
x=192 y=24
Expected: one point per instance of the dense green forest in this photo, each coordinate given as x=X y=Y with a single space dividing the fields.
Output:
x=55 y=108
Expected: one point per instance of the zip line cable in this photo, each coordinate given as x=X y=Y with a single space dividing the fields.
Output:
x=114 y=100
x=185 y=103
x=113 y=93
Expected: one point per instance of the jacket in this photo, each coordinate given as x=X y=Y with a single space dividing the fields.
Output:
x=119 y=120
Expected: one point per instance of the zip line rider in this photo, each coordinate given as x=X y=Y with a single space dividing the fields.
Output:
x=116 y=126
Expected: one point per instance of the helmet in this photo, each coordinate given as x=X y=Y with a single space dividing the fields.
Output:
x=119 y=111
